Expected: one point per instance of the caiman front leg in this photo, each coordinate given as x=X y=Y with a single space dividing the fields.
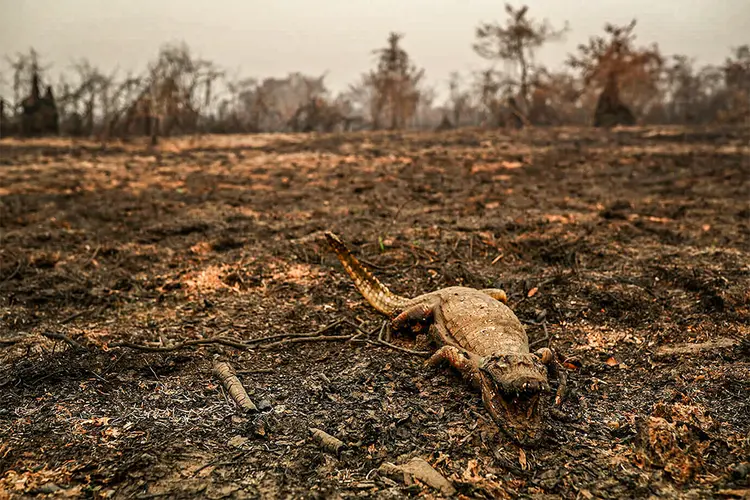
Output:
x=429 y=312
x=555 y=370
x=467 y=363
x=462 y=360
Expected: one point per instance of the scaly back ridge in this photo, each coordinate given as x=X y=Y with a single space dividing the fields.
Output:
x=376 y=293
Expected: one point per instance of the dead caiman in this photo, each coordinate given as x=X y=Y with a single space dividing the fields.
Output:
x=480 y=336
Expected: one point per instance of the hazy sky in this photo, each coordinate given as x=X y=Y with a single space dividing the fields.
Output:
x=274 y=37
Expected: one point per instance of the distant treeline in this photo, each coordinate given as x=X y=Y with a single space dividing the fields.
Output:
x=609 y=81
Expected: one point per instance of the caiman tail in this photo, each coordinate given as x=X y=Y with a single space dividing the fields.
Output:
x=368 y=285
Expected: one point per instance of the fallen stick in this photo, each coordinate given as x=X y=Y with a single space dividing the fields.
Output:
x=230 y=342
x=59 y=336
x=281 y=339
x=318 y=338
x=385 y=334
x=253 y=372
x=12 y=340
x=316 y=333
x=72 y=317
x=687 y=349
x=418 y=468
x=233 y=386
x=328 y=442
x=383 y=343
x=13 y=274
x=251 y=343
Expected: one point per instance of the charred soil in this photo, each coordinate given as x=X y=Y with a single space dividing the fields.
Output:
x=617 y=248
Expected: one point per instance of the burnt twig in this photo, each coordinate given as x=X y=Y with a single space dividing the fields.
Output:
x=328 y=442
x=255 y=372
x=397 y=348
x=546 y=337
x=234 y=387
x=73 y=316
x=538 y=341
x=311 y=338
x=11 y=341
x=59 y=336
x=666 y=351
x=13 y=274
x=227 y=341
x=318 y=332
x=384 y=329
x=280 y=339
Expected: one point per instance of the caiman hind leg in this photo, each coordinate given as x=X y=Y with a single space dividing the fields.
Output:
x=555 y=370
x=497 y=294
x=422 y=313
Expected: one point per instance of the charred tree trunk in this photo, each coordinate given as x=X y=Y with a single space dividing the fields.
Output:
x=445 y=124
x=39 y=113
x=52 y=121
x=154 y=120
x=610 y=110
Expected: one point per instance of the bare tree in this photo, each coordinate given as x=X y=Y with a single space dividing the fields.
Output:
x=176 y=88
x=362 y=96
x=736 y=71
x=92 y=93
x=396 y=84
x=25 y=67
x=486 y=88
x=613 y=63
x=496 y=95
x=425 y=114
x=32 y=112
x=516 y=42
x=236 y=113
x=683 y=91
x=459 y=99
x=555 y=98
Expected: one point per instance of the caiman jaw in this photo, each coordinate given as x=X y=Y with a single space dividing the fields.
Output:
x=512 y=385
x=517 y=414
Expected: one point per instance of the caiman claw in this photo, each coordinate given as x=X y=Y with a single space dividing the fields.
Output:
x=555 y=370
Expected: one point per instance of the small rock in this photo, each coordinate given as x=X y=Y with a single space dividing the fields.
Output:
x=236 y=420
x=47 y=488
x=741 y=470
x=237 y=441
x=264 y=405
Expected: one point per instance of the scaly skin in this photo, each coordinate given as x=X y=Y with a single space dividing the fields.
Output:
x=479 y=336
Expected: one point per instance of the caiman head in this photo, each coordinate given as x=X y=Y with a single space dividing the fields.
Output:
x=512 y=386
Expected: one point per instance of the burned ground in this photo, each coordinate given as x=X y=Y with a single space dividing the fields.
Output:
x=616 y=244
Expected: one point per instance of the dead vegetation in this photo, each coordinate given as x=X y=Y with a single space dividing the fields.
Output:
x=609 y=81
x=619 y=248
